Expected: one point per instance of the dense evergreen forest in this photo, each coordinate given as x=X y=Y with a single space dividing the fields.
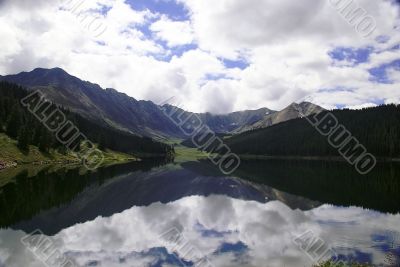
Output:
x=23 y=198
x=18 y=123
x=378 y=129
x=331 y=182
x=335 y=183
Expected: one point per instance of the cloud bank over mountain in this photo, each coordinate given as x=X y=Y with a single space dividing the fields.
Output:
x=212 y=56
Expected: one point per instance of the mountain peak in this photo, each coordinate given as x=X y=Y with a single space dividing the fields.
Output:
x=117 y=109
x=48 y=71
x=42 y=77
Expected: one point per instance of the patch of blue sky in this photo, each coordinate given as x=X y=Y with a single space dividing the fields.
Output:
x=180 y=50
x=104 y=9
x=380 y=74
x=333 y=222
x=159 y=255
x=171 y=8
x=236 y=248
x=382 y=39
x=163 y=257
x=352 y=255
x=381 y=238
x=378 y=101
x=239 y=250
x=211 y=232
x=396 y=47
x=240 y=63
x=145 y=28
x=215 y=76
x=340 y=106
x=101 y=43
x=355 y=56
x=171 y=52
x=360 y=256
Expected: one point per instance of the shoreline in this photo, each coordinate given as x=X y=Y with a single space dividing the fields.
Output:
x=5 y=165
x=8 y=165
x=307 y=158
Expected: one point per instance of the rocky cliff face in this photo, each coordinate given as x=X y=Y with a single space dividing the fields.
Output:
x=291 y=112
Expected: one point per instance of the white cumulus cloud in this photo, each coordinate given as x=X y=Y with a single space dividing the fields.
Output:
x=285 y=46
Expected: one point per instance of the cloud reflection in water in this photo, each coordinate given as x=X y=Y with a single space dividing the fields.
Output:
x=230 y=232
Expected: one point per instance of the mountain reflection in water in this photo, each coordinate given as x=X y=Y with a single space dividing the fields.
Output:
x=114 y=217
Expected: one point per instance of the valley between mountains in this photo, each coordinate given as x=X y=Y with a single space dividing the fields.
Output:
x=130 y=129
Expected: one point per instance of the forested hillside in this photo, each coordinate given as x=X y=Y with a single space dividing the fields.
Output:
x=111 y=108
x=18 y=123
x=108 y=107
x=378 y=129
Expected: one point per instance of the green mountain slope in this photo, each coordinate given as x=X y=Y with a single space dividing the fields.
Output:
x=378 y=129
x=21 y=124
x=109 y=107
x=112 y=108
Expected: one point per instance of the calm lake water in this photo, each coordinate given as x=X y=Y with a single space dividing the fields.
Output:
x=188 y=214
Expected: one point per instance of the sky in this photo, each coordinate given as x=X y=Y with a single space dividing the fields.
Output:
x=214 y=56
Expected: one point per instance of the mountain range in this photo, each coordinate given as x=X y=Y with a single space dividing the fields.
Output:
x=145 y=118
x=375 y=130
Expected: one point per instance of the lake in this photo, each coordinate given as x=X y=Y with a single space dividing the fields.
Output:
x=157 y=213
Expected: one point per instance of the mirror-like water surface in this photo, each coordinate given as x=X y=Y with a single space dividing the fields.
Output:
x=125 y=215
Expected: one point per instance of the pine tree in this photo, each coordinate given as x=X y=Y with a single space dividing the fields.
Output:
x=43 y=144
x=2 y=114
x=1 y=125
x=37 y=132
x=45 y=141
x=14 y=122
x=23 y=139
